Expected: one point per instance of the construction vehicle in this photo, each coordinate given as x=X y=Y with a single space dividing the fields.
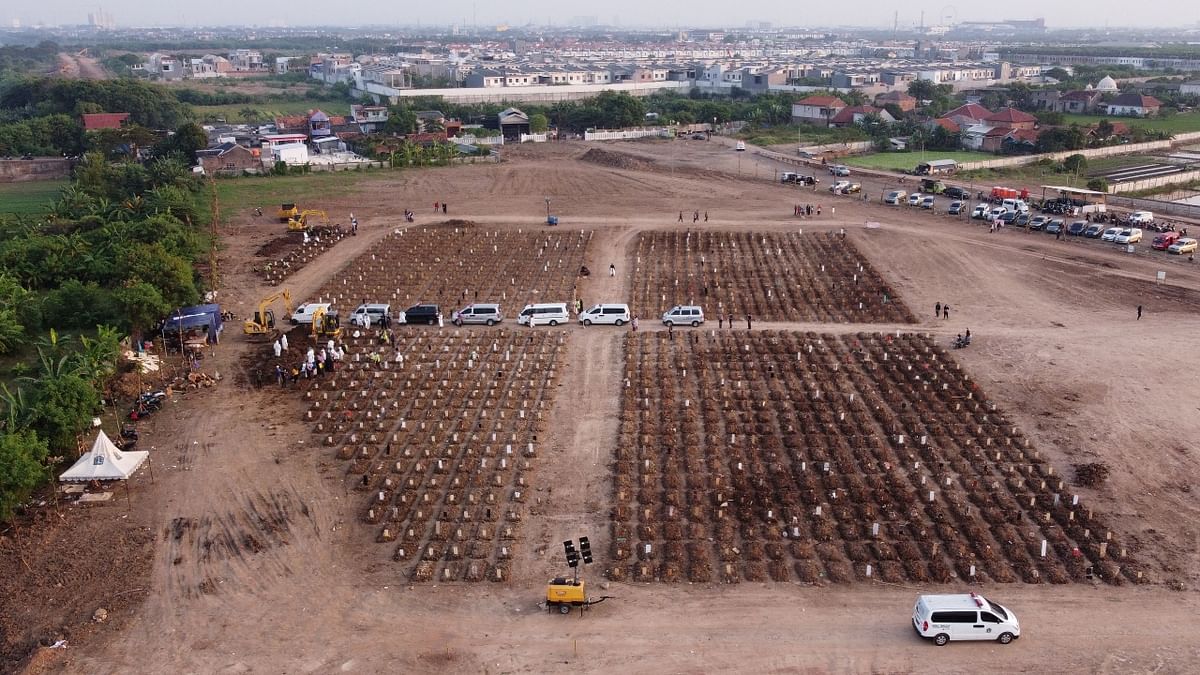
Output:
x=262 y=324
x=326 y=325
x=288 y=212
x=301 y=224
x=565 y=593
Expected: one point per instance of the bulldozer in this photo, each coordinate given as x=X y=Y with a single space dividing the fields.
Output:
x=288 y=212
x=262 y=324
x=300 y=223
x=326 y=325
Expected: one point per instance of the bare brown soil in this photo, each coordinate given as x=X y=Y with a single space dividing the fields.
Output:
x=270 y=545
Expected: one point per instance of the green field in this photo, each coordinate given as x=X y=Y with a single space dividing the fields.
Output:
x=1030 y=175
x=268 y=192
x=1175 y=124
x=900 y=161
x=268 y=111
x=29 y=197
x=791 y=134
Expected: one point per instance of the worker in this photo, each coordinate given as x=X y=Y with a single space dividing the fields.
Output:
x=283 y=341
x=278 y=349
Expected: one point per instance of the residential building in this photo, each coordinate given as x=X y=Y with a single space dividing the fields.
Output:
x=816 y=109
x=369 y=118
x=513 y=123
x=246 y=60
x=761 y=82
x=1077 y=102
x=899 y=99
x=228 y=158
x=1133 y=105
x=967 y=115
x=851 y=115
x=165 y=66
x=1011 y=118
x=1190 y=88
x=96 y=121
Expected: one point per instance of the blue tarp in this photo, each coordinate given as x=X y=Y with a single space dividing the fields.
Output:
x=198 y=316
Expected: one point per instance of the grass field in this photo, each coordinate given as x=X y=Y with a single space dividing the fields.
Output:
x=268 y=192
x=791 y=134
x=1042 y=174
x=29 y=197
x=909 y=160
x=268 y=111
x=1175 y=124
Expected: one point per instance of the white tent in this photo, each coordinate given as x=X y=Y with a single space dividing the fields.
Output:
x=105 y=461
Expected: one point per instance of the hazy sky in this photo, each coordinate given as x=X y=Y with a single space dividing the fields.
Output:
x=699 y=13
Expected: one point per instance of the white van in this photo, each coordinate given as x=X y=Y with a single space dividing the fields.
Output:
x=614 y=314
x=683 y=314
x=374 y=310
x=304 y=313
x=486 y=314
x=548 y=313
x=966 y=616
x=1015 y=205
x=1141 y=218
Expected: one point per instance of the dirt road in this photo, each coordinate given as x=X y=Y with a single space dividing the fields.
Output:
x=261 y=566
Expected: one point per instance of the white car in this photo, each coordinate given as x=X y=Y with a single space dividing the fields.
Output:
x=1130 y=235
x=980 y=212
x=614 y=314
x=1185 y=245
x=1111 y=233
x=966 y=616
x=740 y=147
x=839 y=186
x=839 y=170
x=915 y=198
x=998 y=211
x=927 y=202
x=895 y=197
x=1141 y=217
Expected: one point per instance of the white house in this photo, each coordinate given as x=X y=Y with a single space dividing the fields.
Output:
x=817 y=109
x=1134 y=105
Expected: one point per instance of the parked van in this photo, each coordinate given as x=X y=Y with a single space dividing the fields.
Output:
x=1164 y=240
x=1015 y=205
x=486 y=314
x=683 y=314
x=1130 y=235
x=304 y=313
x=615 y=314
x=967 y=616
x=548 y=313
x=1141 y=218
x=895 y=197
x=374 y=310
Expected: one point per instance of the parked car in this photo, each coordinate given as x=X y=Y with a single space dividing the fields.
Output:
x=895 y=197
x=304 y=313
x=1111 y=233
x=807 y=180
x=1094 y=231
x=1141 y=218
x=740 y=147
x=956 y=207
x=683 y=315
x=967 y=616
x=422 y=314
x=840 y=170
x=1077 y=228
x=376 y=312
x=1163 y=240
x=980 y=212
x=1008 y=217
x=927 y=202
x=615 y=314
x=955 y=192
x=1055 y=226
x=487 y=314
x=1130 y=235
x=1038 y=222
x=915 y=198
x=997 y=211
x=1021 y=220
x=1185 y=245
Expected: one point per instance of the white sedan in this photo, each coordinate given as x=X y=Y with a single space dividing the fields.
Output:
x=1129 y=236
x=1111 y=234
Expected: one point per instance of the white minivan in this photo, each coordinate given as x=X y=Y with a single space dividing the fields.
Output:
x=965 y=616
x=374 y=310
x=544 y=313
x=690 y=315
x=1141 y=218
x=304 y=313
x=614 y=314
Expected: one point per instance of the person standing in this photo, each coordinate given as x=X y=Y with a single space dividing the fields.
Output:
x=612 y=270
x=706 y=216
x=1139 y=316
x=720 y=321
x=747 y=322
x=283 y=341
x=937 y=309
x=278 y=349
x=633 y=324
x=945 y=311
x=670 y=331
x=681 y=216
x=444 y=207
x=436 y=207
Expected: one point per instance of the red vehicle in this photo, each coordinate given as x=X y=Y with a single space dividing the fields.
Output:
x=1001 y=193
x=1164 y=240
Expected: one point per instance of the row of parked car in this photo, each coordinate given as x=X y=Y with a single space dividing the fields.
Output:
x=489 y=314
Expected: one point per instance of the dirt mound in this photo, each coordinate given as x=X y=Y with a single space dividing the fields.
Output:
x=617 y=160
x=279 y=246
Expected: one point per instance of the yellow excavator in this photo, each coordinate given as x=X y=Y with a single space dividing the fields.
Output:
x=300 y=223
x=325 y=325
x=287 y=212
x=262 y=324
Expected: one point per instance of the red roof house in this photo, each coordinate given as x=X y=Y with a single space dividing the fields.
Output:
x=1011 y=118
x=94 y=121
x=817 y=109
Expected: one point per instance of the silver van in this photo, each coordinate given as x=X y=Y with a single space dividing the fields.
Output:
x=487 y=314
x=544 y=313
x=375 y=310
x=613 y=314
x=691 y=315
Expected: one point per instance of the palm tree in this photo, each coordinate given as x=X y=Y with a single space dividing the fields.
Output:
x=16 y=409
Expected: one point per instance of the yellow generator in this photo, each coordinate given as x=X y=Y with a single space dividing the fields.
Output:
x=564 y=594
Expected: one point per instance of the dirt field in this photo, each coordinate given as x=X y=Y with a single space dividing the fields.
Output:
x=261 y=561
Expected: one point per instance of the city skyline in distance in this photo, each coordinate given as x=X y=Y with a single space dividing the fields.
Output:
x=868 y=14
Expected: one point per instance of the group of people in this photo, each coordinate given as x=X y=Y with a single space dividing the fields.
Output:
x=803 y=210
x=963 y=340
x=941 y=309
x=695 y=216
x=315 y=363
x=440 y=205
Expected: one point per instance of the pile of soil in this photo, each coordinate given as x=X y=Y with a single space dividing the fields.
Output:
x=1091 y=475
x=279 y=246
x=617 y=160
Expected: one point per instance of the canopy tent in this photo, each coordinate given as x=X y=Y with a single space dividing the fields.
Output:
x=104 y=461
x=207 y=317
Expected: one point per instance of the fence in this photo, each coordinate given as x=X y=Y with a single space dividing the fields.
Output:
x=346 y=166
x=534 y=138
x=628 y=134
x=849 y=147
x=1155 y=182
x=1159 y=207
x=471 y=139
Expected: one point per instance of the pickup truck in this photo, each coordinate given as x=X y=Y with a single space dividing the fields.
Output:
x=844 y=187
